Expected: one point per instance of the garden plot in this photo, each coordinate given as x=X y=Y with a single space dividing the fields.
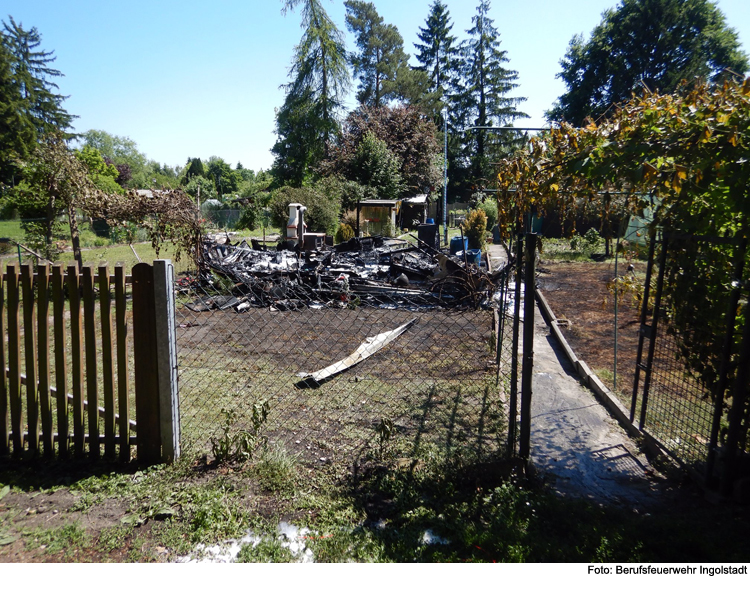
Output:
x=433 y=385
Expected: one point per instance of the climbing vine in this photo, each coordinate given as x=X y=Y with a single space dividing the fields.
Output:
x=686 y=156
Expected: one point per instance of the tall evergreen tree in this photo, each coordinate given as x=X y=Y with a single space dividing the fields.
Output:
x=380 y=62
x=481 y=100
x=29 y=107
x=35 y=78
x=16 y=130
x=437 y=54
x=308 y=120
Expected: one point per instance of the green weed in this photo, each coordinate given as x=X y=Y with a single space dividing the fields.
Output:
x=67 y=539
x=267 y=550
x=276 y=470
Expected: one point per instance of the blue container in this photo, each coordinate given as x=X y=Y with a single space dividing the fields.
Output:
x=474 y=255
x=430 y=221
x=457 y=245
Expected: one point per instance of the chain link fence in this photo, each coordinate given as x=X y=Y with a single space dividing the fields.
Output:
x=688 y=362
x=339 y=356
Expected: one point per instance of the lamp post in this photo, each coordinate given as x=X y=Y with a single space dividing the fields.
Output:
x=444 y=113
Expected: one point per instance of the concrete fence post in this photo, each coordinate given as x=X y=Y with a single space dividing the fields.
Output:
x=166 y=345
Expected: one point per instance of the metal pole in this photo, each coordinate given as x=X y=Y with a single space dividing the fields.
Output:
x=513 y=411
x=614 y=369
x=445 y=176
x=524 y=444
x=737 y=410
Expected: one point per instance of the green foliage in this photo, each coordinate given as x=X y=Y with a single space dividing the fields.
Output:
x=489 y=207
x=103 y=175
x=226 y=181
x=589 y=242
x=308 y=119
x=266 y=550
x=248 y=218
x=377 y=167
x=194 y=167
x=276 y=470
x=123 y=153
x=475 y=227
x=380 y=62
x=684 y=157
x=30 y=108
x=344 y=233
x=347 y=192
x=645 y=45
x=437 y=53
x=408 y=134
x=240 y=444
x=201 y=188
x=482 y=97
x=322 y=210
x=67 y=539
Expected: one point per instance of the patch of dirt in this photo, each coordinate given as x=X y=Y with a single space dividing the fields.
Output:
x=577 y=292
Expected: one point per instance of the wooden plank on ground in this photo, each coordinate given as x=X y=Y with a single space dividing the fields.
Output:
x=76 y=358
x=45 y=400
x=89 y=332
x=61 y=369
x=108 y=377
x=146 y=367
x=29 y=334
x=123 y=403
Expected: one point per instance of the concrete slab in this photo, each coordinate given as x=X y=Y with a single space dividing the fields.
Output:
x=576 y=447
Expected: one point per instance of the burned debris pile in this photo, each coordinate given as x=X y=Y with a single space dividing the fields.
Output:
x=373 y=271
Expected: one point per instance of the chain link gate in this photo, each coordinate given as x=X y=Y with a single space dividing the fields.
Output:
x=687 y=354
x=251 y=348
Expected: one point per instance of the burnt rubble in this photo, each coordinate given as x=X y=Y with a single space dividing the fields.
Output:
x=376 y=271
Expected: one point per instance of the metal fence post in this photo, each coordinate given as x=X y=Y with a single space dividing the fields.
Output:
x=513 y=410
x=166 y=344
x=529 y=302
x=737 y=411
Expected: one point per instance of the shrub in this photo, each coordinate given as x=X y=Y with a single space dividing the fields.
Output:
x=489 y=207
x=248 y=218
x=589 y=242
x=344 y=233
x=322 y=210
x=474 y=227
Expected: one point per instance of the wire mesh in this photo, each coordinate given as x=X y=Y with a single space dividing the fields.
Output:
x=249 y=335
x=689 y=347
x=680 y=410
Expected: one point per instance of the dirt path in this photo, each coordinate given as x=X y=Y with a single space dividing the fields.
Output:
x=575 y=445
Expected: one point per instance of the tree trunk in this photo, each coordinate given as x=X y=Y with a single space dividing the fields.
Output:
x=50 y=222
x=75 y=238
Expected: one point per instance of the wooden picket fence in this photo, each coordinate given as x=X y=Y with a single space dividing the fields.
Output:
x=80 y=369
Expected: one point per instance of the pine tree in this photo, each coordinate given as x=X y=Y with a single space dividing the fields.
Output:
x=17 y=133
x=437 y=54
x=481 y=100
x=380 y=62
x=34 y=78
x=308 y=120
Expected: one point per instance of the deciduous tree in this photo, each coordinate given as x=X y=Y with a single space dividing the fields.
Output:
x=645 y=45
x=408 y=134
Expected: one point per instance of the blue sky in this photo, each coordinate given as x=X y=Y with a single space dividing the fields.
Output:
x=196 y=79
